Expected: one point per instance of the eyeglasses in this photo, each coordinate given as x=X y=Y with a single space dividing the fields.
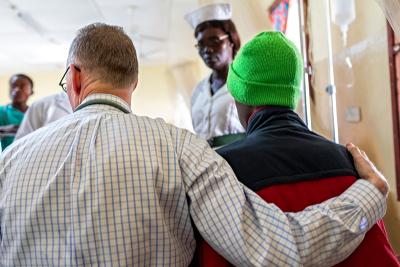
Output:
x=62 y=82
x=213 y=42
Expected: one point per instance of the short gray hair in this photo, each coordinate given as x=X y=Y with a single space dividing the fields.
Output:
x=106 y=52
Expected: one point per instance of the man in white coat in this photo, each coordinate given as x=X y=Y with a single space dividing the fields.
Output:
x=43 y=112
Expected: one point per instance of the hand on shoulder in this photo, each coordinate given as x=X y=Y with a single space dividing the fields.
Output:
x=367 y=170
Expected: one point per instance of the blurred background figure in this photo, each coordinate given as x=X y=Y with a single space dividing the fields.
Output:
x=11 y=115
x=44 y=111
x=213 y=109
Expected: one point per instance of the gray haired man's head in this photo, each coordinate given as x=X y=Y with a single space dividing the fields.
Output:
x=106 y=52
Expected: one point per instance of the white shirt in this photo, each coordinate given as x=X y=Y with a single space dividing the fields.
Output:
x=104 y=188
x=43 y=112
x=214 y=115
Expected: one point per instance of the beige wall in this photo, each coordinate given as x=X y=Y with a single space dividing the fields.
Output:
x=367 y=48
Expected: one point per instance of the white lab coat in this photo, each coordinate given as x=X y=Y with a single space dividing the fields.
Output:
x=44 y=111
x=214 y=115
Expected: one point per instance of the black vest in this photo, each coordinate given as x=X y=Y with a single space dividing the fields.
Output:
x=279 y=148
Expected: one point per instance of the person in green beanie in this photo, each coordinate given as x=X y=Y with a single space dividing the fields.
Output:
x=280 y=158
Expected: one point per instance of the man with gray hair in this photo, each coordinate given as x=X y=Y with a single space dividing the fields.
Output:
x=103 y=187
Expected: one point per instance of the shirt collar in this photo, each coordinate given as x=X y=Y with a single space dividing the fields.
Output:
x=273 y=116
x=108 y=97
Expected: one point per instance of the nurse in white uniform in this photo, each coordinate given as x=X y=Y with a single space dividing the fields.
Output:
x=213 y=108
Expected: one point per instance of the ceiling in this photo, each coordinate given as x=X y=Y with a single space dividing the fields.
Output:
x=35 y=34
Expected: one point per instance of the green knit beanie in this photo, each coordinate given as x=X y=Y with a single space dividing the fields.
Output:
x=268 y=70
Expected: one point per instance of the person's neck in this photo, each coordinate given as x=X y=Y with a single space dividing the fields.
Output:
x=218 y=79
x=124 y=93
x=259 y=109
x=221 y=74
x=23 y=107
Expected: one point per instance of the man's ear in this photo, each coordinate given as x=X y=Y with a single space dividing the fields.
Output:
x=135 y=83
x=75 y=79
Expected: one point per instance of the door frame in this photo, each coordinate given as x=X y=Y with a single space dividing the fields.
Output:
x=393 y=51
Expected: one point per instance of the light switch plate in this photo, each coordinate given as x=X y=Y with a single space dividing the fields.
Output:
x=353 y=114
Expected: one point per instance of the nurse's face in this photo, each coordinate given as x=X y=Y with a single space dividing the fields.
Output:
x=20 y=89
x=215 y=48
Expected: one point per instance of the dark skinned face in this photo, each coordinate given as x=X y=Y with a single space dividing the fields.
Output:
x=20 y=89
x=215 y=48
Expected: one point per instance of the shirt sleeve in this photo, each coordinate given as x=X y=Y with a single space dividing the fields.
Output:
x=32 y=121
x=2 y=111
x=3 y=122
x=193 y=100
x=247 y=231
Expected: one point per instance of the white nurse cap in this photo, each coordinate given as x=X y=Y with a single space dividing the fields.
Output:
x=209 y=12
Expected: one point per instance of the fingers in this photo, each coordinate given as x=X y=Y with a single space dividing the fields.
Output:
x=354 y=150
x=367 y=170
x=350 y=145
x=364 y=155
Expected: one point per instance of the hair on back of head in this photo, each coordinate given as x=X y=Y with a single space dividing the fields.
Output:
x=226 y=26
x=106 y=52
